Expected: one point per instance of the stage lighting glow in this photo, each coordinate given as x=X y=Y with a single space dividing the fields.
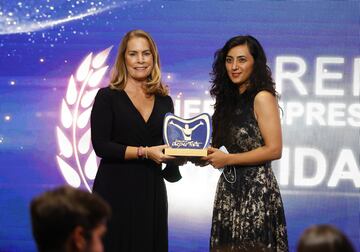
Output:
x=26 y=26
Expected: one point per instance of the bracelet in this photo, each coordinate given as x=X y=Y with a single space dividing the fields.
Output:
x=146 y=154
x=140 y=152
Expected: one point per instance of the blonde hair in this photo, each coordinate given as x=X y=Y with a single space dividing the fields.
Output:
x=119 y=74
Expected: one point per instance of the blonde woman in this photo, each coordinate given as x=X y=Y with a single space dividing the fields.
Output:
x=126 y=133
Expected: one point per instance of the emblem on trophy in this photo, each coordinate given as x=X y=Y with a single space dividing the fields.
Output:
x=187 y=137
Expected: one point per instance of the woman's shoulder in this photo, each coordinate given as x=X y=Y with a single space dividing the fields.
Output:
x=264 y=98
x=165 y=98
x=165 y=102
x=263 y=94
x=107 y=92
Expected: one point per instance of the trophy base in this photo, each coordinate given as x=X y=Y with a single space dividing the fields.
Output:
x=186 y=152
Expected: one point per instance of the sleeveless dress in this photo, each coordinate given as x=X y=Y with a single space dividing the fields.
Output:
x=248 y=211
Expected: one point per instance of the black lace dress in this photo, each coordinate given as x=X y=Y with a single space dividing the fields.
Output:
x=248 y=212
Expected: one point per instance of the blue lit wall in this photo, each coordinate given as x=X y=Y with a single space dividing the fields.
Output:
x=313 y=49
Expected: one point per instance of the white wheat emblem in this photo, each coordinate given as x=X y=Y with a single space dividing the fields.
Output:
x=77 y=160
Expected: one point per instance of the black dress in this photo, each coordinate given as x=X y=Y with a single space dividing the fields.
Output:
x=248 y=214
x=135 y=189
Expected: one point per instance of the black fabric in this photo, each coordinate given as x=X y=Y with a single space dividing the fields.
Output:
x=248 y=214
x=135 y=189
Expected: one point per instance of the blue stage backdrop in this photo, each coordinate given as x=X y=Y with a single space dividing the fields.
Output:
x=54 y=55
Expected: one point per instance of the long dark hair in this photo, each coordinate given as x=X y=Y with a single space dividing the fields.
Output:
x=226 y=93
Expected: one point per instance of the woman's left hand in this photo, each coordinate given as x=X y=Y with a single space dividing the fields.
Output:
x=156 y=154
x=216 y=158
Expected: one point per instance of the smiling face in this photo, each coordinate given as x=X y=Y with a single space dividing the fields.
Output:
x=138 y=59
x=239 y=65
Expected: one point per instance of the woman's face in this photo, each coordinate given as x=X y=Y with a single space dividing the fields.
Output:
x=138 y=59
x=239 y=64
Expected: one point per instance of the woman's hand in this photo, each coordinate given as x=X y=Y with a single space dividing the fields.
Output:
x=156 y=154
x=217 y=158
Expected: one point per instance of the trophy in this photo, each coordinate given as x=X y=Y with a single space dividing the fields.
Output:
x=187 y=137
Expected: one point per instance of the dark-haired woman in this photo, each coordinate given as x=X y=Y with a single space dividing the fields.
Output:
x=248 y=211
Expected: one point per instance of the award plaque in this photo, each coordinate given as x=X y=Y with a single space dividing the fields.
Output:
x=187 y=137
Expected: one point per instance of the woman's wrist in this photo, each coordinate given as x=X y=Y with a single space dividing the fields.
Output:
x=139 y=152
x=229 y=159
x=146 y=152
